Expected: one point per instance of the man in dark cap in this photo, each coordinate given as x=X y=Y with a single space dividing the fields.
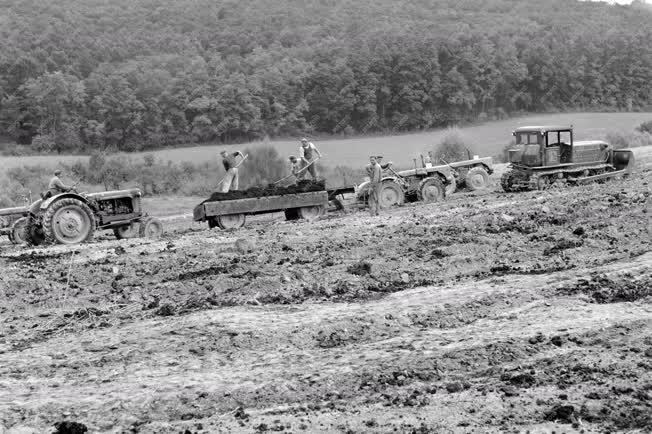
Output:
x=56 y=186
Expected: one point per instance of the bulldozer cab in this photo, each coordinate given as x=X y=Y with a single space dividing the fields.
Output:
x=539 y=146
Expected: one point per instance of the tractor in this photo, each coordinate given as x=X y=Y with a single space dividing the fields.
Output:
x=544 y=156
x=13 y=222
x=429 y=183
x=72 y=217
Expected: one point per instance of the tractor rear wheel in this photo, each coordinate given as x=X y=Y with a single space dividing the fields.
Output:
x=127 y=231
x=150 y=227
x=18 y=234
x=68 y=221
x=477 y=178
x=231 y=221
x=311 y=213
x=391 y=193
x=431 y=190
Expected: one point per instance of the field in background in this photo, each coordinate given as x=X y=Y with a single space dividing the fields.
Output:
x=488 y=139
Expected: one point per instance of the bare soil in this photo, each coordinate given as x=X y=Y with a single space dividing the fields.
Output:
x=488 y=312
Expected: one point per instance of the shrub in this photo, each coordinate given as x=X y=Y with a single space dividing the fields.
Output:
x=645 y=127
x=452 y=147
x=263 y=166
x=633 y=139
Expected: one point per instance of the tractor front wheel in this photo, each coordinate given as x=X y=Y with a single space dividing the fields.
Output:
x=477 y=178
x=431 y=190
x=391 y=193
x=150 y=227
x=68 y=221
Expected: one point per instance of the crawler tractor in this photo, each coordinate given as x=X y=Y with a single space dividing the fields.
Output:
x=71 y=218
x=547 y=155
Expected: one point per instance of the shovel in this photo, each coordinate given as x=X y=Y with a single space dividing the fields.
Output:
x=298 y=171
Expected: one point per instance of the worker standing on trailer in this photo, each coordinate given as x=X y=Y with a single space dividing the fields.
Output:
x=307 y=152
x=375 y=174
x=295 y=168
x=230 y=162
x=56 y=186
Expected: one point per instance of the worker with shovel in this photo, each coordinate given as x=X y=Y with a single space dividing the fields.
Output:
x=230 y=180
x=307 y=152
x=295 y=168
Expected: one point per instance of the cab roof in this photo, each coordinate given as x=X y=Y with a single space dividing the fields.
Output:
x=544 y=128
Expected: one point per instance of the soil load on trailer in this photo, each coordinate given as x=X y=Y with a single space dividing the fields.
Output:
x=303 y=186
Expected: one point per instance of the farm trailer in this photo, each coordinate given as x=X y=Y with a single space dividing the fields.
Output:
x=232 y=213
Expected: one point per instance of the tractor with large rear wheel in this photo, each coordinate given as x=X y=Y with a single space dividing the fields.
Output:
x=428 y=183
x=72 y=217
x=546 y=156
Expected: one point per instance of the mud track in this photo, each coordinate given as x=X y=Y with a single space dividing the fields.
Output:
x=488 y=312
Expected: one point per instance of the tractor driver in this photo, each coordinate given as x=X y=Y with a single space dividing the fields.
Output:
x=56 y=186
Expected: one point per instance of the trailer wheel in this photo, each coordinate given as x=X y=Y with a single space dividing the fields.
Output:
x=68 y=221
x=231 y=221
x=150 y=227
x=311 y=212
x=212 y=223
x=391 y=194
x=431 y=190
x=292 y=214
x=477 y=178
x=127 y=231
x=18 y=234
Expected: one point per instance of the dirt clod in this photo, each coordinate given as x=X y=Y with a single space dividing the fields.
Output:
x=561 y=413
x=69 y=427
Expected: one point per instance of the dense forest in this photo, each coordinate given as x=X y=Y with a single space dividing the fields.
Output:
x=77 y=75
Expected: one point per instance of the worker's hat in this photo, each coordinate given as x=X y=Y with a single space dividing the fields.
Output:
x=303 y=139
x=292 y=158
x=57 y=172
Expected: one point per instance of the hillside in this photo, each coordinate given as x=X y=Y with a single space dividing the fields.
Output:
x=138 y=74
x=489 y=312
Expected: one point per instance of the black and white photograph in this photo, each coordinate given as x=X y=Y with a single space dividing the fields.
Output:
x=325 y=216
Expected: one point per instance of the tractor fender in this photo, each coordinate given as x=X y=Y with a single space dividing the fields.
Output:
x=46 y=203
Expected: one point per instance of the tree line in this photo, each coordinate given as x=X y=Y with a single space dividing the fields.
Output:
x=128 y=75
